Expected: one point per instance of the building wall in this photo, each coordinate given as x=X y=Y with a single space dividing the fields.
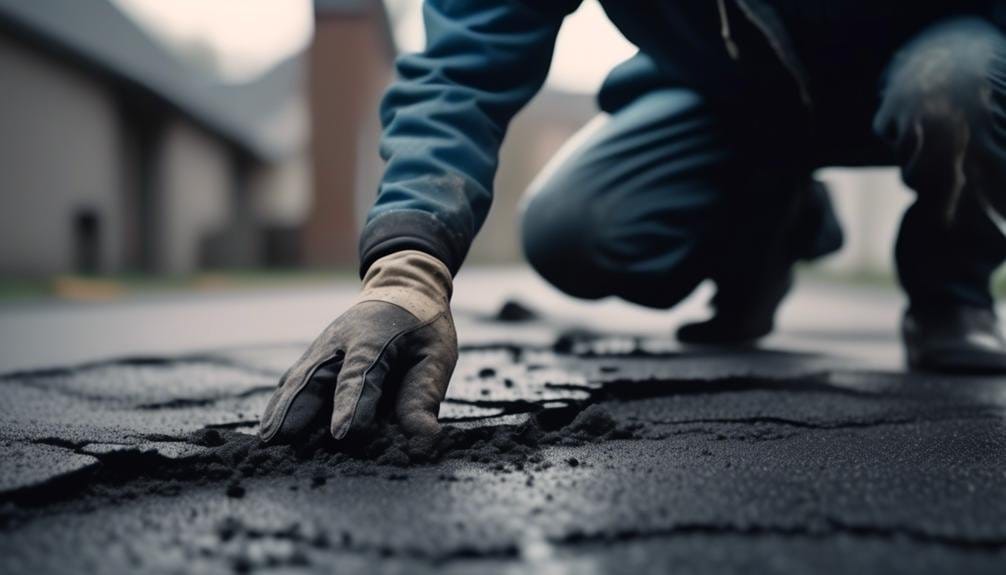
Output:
x=59 y=160
x=280 y=196
x=281 y=193
x=369 y=165
x=350 y=64
x=65 y=154
x=869 y=203
x=533 y=137
x=194 y=196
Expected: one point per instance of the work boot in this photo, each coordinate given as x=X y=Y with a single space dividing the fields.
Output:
x=746 y=303
x=957 y=339
x=741 y=321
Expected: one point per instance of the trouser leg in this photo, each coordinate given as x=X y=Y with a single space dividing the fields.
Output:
x=634 y=210
x=942 y=111
x=660 y=198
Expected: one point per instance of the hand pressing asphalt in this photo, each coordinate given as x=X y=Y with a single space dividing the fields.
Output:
x=398 y=338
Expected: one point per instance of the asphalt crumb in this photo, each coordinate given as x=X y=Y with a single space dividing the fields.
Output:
x=232 y=458
x=504 y=447
x=235 y=491
x=514 y=311
x=247 y=548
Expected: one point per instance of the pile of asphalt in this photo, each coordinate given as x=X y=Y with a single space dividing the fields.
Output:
x=230 y=458
x=318 y=457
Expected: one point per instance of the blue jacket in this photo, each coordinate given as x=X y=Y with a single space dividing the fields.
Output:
x=445 y=117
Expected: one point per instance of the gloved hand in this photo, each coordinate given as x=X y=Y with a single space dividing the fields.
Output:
x=397 y=338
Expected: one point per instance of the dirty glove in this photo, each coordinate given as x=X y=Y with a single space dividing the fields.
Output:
x=398 y=338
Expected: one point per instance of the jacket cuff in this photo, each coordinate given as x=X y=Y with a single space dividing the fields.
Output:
x=414 y=281
x=400 y=230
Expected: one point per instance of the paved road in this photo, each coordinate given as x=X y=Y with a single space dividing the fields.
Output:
x=49 y=333
x=584 y=441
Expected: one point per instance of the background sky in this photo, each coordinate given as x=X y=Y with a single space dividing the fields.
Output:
x=242 y=37
x=588 y=46
x=238 y=39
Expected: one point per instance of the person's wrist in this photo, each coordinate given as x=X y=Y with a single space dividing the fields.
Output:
x=413 y=280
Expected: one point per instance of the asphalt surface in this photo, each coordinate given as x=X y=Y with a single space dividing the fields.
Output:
x=572 y=449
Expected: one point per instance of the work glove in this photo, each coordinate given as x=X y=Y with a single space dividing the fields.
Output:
x=398 y=340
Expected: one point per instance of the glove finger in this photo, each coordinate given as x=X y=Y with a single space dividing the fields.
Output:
x=423 y=388
x=295 y=406
x=359 y=388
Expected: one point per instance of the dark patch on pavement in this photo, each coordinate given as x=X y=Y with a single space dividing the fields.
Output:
x=515 y=311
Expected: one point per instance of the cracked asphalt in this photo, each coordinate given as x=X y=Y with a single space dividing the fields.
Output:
x=574 y=449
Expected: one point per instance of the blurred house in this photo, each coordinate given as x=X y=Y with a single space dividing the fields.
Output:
x=870 y=203
x=534 y=136
x=118 y=155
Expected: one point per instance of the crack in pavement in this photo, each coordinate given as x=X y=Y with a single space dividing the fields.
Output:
x=182 y=403
x=231 y=533
x=59 y=442
x=626 y=388
x=556 y=412
x=42 y=384
x=598 y=391
x=881 y=422
x=550 y=446
x=138 y=361
x=830 y=527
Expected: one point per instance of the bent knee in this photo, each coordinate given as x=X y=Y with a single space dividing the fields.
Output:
x=555 y=237
x=590 y=252
x=942 y=79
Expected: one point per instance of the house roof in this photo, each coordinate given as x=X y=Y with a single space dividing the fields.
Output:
x=264 y=117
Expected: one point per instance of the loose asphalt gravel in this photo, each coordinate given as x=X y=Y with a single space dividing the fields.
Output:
x=590 y=454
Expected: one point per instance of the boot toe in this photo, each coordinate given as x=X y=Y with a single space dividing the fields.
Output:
x=964 y=340
x=717 y=332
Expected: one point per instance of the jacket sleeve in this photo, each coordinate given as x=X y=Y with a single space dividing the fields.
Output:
x=445 y=117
